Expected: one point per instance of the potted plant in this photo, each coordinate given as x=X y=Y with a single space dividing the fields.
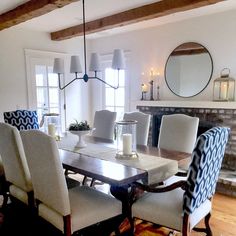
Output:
x=80 y=129
x=81 y=126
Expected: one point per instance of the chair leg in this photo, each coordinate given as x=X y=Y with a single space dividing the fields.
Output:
x=185 y=227
x=5 y=199
x=66 y=172
x=132 y=228
x=208 y=228
x=84 y=180
x=5 y=191
x=92 y=182
x=67 y=225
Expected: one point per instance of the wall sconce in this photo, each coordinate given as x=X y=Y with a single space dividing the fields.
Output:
x=144 y=91
x=224 y=87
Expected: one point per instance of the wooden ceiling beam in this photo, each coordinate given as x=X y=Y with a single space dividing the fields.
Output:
x=29 y=10
x=150 y=11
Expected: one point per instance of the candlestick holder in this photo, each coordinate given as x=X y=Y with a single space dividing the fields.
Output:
x=143 y=96
x=158 y=92
x=151 y=90
x=126 y=139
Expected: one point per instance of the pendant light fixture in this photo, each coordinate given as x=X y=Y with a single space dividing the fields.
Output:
x=118 y=63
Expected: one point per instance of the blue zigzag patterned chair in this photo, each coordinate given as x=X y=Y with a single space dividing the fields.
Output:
x=22 y=119
x=183 y=204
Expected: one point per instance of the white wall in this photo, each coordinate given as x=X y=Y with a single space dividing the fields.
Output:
x=148 y=48
x=13 y=83
x=151 y=48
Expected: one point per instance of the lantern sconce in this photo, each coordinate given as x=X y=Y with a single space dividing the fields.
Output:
x=224 y=87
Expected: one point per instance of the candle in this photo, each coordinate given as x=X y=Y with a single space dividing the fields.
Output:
x=223 y=90
x=144 y=88
x=52 y=130
x=127 y=144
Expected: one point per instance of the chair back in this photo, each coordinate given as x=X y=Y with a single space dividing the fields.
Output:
x=13 y=157
x=205 y=167
x=22 y=119
x=178 y=132
x=46 y=170
x=104 y=122
x=142 y=125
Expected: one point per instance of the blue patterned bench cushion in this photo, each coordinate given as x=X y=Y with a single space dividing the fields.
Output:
x=22 y=119
x=204 y=169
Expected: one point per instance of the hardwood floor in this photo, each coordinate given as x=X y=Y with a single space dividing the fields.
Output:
x=223 y=221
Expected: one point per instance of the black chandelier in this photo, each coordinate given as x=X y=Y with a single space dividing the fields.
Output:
x=75 y=66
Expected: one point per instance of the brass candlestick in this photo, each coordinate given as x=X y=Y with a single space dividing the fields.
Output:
x=158 y=92
x=151 y=90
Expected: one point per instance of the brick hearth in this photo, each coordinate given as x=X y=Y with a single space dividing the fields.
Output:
x=214 y=117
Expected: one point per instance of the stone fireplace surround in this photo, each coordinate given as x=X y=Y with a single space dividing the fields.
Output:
x=210 y=114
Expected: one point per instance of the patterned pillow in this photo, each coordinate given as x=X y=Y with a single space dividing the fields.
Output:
x=204 y=169
x=22 y=119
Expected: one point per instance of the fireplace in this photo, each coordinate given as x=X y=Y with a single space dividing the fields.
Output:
x=210 y=114
x=156 y=123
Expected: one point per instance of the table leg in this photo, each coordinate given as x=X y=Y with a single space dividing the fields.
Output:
x=126 y=195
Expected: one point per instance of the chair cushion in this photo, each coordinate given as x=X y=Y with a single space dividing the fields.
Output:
x=88 y=206
x=22 y=119
x=19 y=194
x=167 y=209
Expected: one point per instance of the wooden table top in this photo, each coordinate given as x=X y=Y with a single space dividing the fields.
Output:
x=105 y=171
x=110 y=172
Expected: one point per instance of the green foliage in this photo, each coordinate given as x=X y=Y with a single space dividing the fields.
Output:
x=83 y=125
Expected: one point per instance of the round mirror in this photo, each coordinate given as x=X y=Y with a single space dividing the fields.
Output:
x=188 y=69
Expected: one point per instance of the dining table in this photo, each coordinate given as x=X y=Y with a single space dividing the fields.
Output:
x=98 y=161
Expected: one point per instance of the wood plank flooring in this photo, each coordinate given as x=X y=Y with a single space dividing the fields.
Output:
x=223 y=221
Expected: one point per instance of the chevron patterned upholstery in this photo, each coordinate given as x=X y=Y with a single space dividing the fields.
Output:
x=22 y=119
x=205 y=167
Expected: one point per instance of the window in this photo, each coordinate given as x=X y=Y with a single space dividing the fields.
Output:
x=44 y=94
x=115 y=98
x=47 y=90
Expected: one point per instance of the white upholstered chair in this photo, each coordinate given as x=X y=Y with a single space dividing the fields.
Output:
x=178 y=132
x=142 y=125
x=183 y=204
x=104 y=125
x=104 y=122
x=68 y=210
x=15 y=166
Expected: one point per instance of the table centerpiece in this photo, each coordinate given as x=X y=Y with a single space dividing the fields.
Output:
x=80 y=129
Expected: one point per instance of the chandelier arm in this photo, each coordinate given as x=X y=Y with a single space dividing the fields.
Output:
x=63 y=87
x=114 y=87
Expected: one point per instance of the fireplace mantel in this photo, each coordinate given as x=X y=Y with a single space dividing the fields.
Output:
x=186 y=104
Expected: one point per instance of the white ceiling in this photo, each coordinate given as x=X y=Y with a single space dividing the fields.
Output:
x=71 y=14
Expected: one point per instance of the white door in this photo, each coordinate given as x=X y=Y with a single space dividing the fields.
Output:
x=44 y=93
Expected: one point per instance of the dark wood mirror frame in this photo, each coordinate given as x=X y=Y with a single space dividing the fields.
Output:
x=189 y=49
